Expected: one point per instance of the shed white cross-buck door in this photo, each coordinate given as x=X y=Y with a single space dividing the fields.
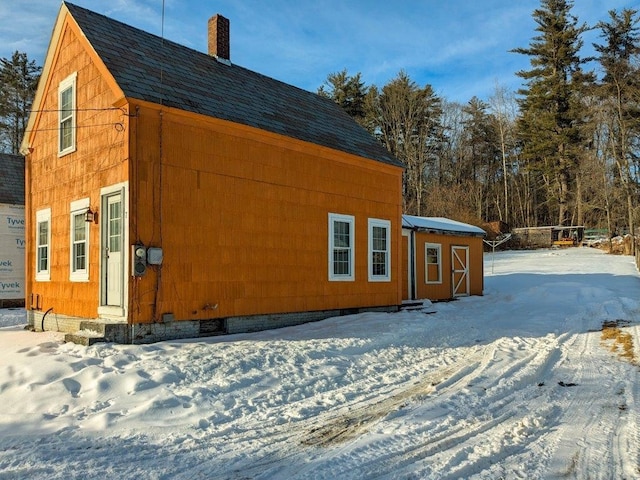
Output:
x=112 y=250
x=460 y=270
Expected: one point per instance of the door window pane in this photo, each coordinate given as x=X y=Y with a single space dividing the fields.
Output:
x=115 y=232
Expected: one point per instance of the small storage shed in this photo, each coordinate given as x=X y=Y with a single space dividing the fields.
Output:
x=442 y=258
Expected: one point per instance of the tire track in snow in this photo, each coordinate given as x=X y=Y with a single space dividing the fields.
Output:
x=328 y=430
x=456 y=432
x=628 y=440
x=623 y=440
x=351 y=424
x=331 y=430
x=501 y=413
x=588 y=443
x=519 y=395
x=455 y=429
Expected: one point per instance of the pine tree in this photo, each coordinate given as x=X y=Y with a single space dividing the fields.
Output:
x=552 y=114
x=18 y=82
x=404 y=117
x=482 y=153
x=620 y=93
x=411 y=129
x=347 y=91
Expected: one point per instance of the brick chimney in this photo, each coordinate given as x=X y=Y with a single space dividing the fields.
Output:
x=219 y=38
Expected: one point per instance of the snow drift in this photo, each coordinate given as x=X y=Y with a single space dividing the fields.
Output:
x=537 y=379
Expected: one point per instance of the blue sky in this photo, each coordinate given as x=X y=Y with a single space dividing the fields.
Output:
x=460 y=47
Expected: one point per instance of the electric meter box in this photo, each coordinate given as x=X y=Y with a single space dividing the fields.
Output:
x=138 y=260
x=154 y=256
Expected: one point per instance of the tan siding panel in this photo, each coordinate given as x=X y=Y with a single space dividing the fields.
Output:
x=249 y=213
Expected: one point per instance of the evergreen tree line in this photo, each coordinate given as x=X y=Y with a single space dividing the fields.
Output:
x=562 y=150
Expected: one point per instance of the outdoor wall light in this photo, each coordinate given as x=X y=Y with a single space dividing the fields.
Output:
x=89 y=215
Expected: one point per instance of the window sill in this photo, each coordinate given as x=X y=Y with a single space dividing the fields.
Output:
x=66 y=151
x=79 y=278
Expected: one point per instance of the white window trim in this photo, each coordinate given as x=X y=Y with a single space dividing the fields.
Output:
x=438 y=246
x=350 y=219
x=78 y=207
x=386 y=224
x=70 y=81
x=41 y=217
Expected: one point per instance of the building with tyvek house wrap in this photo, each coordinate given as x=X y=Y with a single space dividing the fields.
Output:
x=12 y=227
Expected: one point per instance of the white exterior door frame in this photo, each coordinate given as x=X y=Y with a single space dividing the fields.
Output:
x=460 y=270
x=114 y=241
x=406 y=237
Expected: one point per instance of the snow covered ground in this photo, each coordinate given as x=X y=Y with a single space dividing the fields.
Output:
x=537 y=379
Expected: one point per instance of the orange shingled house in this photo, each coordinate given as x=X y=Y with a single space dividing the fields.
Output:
x=173 y=194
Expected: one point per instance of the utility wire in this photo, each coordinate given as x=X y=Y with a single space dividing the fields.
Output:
x=118 y=126
x=79 y=110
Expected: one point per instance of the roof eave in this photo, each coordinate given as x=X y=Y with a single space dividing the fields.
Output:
x=455 y=233
x=43 y=83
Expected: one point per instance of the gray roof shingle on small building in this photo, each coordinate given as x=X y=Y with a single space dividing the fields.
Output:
x=147 y=67
x=11 y=179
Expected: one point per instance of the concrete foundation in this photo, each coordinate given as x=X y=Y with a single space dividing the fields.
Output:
x=90 y=331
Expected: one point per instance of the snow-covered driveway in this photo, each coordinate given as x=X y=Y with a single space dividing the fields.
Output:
x=538 y=379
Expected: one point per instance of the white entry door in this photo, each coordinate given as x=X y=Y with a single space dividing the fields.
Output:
x=460 y=270
x=113 y=246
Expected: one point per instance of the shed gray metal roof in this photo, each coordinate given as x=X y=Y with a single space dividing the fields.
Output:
x=441 y=225
x=153 y=69
x=11 y=179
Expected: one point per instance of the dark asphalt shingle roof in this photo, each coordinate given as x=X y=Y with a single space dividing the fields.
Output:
x=196 y=82
x=11 y=179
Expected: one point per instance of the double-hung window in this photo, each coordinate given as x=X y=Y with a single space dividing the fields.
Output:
x=341 y=247
x=379 y=248
x=43 y=244
x=67 y=115
x=79 y=242
x=433 y=263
